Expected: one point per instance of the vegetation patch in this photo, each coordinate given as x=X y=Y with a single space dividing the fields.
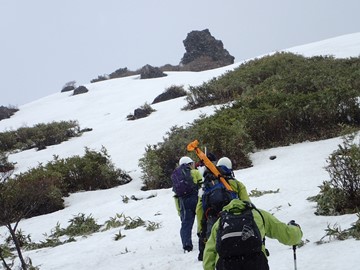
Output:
x=41 y=190
x=144 y=111
x=39 y=136
x=273 y=101
x=259 y=193
x=170 y=93
x=341 y=194
x=336 y=233
x=7 y=112
x=80 y=226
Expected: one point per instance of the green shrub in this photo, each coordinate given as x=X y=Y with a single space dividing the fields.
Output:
x=344 y=171
x=133 y=223
x=80 y=225
x=222 y=135
x=119 y=236
x=5 y=251
x=330 y=201
x=285 y=72
x=6 y=167
x=93 y=171
x=40 y=190
x=341 y=194
x=7 y=112
x=258 y=193
x=30 y=194
x=114 y=222
x=276 y=100
x=160 y=160
x=152 y=226
x=337 y=233
x=38 y=136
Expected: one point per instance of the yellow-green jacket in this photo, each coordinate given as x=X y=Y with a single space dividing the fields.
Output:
x=237 y=186
x=285 y=234
x=197 y=178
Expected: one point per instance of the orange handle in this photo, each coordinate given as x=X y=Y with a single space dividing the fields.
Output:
x=193 y=146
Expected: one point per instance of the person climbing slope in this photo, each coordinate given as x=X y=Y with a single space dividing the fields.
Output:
x=186 y=182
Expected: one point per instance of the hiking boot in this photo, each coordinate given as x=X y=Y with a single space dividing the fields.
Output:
x=188 y=249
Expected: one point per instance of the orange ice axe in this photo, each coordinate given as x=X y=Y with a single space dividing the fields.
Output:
x=193 y=146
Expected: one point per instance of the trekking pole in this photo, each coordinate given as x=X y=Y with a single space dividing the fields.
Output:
x=294 y=252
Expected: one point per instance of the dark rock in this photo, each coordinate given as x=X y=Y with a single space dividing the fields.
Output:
x=148 y=72
x=202 y=46
x=6 y=112
x=80 y=90
x=86 y=130
x=140 y=113
x=68 y=88
x=171 y=93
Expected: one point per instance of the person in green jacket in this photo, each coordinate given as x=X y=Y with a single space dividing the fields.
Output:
x=186 y=206
x=268 y=225
x=206 y=220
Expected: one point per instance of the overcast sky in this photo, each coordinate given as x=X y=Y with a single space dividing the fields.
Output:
x=45 y=44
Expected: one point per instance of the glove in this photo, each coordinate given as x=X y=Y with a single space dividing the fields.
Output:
x=293 y=223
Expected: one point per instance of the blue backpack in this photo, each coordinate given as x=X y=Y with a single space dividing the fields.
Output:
x=182 y=181
x=215 y=195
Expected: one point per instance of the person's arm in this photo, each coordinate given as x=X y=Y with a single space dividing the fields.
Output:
x=197 y=177
x=177 y=204
x=285 y=234
x=241 y=190
x=199 y=215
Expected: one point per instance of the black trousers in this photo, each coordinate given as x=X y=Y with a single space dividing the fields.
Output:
x=206 y=226
x=256 y=261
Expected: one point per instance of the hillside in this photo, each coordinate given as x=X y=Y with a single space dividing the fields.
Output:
x=297 y=172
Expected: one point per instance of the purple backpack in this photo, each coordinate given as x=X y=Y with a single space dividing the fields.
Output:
x=182 y=181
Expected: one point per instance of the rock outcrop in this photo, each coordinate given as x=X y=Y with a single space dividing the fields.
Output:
x=203 y=51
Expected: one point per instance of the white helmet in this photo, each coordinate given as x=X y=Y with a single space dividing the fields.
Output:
x=225 y=161
x=185 y=160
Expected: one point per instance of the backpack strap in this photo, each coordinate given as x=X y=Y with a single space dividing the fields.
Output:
x=250 y=205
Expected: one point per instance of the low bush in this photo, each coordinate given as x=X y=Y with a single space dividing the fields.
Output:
x=171 y=92
x=79 y=226
x=93 y=171
x=6 y=167
x=221 y=134
x=30 y=194
x=41 y=190
x=7 y=112
x=273 y=101
x=337 y=233
x=341 y=194
x=281 y=72
x=39 y=136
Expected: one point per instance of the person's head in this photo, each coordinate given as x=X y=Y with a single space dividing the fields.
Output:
x=210 y=156
x=225 y=161
x=185 y=160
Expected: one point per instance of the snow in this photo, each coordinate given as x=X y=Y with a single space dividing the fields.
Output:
x=297 y=172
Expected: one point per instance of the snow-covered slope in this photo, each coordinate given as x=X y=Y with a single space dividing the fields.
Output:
x=297 y=172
